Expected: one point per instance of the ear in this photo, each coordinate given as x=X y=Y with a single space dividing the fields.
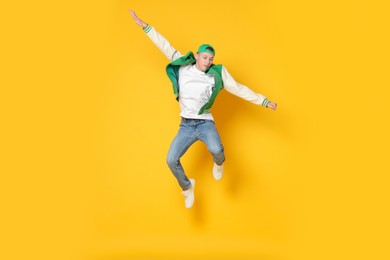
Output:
x=196 y=56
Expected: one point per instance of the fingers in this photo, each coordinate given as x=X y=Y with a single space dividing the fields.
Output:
x=136 y=19
x=132 y=13
x=272 y=105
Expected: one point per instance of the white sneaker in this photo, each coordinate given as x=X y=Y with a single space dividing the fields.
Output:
x=217 y=171
x=189 y=195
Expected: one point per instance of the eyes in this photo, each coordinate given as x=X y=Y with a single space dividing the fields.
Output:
x=205 y=58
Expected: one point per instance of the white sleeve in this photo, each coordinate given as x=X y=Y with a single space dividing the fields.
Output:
x=162 y=43
x=242 y=91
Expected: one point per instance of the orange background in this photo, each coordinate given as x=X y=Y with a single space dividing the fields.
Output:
x=88 y=114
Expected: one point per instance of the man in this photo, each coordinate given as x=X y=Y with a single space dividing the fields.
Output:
x=196 y=83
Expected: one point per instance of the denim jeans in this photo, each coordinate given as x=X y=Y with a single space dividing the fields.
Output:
x=192 y=130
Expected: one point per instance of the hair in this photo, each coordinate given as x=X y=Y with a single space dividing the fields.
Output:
x=210 y=49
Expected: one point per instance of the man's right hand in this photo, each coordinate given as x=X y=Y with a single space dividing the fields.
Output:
x=137 y=20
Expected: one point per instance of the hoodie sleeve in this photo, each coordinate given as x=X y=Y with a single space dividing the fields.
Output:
x=162 y=43
x=242 y=91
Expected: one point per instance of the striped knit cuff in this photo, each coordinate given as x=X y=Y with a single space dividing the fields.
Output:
x=147 y=28
x=265 y=102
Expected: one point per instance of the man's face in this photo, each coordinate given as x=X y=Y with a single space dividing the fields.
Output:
x=203 y=60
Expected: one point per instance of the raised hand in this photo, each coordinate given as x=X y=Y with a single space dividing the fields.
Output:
x=137 y=20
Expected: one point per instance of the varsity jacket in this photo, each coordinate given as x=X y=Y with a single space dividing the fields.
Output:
x=221 y=76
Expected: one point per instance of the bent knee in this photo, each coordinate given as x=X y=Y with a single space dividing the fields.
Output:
x=216 y=149
x=172 y=161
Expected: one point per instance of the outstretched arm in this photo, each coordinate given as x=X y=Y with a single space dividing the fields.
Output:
x=244 y=92
x=159 y=40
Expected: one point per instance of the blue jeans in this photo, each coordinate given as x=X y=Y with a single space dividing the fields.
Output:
x=192 y=130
